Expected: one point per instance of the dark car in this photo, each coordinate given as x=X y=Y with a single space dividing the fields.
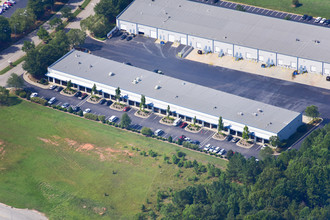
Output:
x=109 y=103
x=102 y=101
x=84 y=95
x=129 y=38
x=195 y=142
x=58 y=89
x=328 y=78
x=76 y=108
x=123 y=37
x=77 y=94
x=183 y=125
x=309 y=18
x=304 y=17
x=229 y=137
x=199 y=51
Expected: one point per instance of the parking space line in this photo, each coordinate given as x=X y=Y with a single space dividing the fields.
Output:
x=247 y=8
x=293 y=16
x=276 y=14
x=262 y=10
x=284 y=15
x=280 y=14
x=258 y=10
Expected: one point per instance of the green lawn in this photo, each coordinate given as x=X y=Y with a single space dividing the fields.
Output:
x=63 y=165
x=316 y=8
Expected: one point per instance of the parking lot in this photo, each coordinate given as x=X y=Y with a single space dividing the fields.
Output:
x=19 y=4
x=152 y=122
x=263 y=11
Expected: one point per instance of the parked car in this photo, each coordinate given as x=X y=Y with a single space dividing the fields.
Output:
x=1 y=10
x=59 y=89
x=317 y=20
x=126 y=108
x=12 y=1
x=158 y=132
x=207 y=147
x=195 y=142
x=177 y=121
x=83 y=96
x=102 y=101
x=78 y=94
x=327 y=78
x=234 y=140
x=113 y=118
x=200 y=52
x=216 y=150
x=323 y=20
x=222 y=152
x=35 y=94
x=123 y=37
x=183 y=125
x=76 y=108
x=9 y=3
x=87 y=110
x=52 y=87
x=65 y=105
x=52 y=100
x=211 y=148
x=109 y=102
x=304 y=17
x=309 y=18
x=187 y=139
x=182 y=137
x=128 y=38
x=229 y=137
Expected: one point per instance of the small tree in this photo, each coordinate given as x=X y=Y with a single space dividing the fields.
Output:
x=266 y=153
x=94 y=89
x=146 y=131
x=69 y=85
x=81 y=113
x=246 y=132
x=118 y=94
x=143 y=102
x=194 y=120
x=274 y=141
x=168 y=111
x=312 y=111
x=15 y=81
x=170 y=139
x=295 y=3
x=220 y=124
x=55 y=22
x=28 y=45
x=70 y=110
x=4 y=95
x=125 y=121
x=43 y=34
x=67 y=13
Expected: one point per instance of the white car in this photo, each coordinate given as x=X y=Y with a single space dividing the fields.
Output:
x=87 y=110
x=317 y=20
x=113 y=118
x=158 y=132
x=35 y=94
x=52 y=87
x=323 y=20
x=216 y=150
x=207 y=147
x=222 y=152
x=52 y=100
x=12 y=1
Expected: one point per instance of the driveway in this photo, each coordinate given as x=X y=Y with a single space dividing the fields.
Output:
x=10 y=213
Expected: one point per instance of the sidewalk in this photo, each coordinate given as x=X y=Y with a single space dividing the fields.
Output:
x=14 y=52
x=254 y=67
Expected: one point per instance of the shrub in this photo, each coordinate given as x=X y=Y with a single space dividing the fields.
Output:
x=101 y=118
x=22 y=94
x=70 y=110
x=80 y=113
x=91 y=116
x=181 y=154
x=39 y=100
x=146 y=131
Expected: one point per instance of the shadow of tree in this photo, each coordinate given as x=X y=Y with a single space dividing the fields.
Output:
x=13 y=100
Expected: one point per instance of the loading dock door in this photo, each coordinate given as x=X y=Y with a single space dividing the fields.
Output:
x=184 y=40
x=171 y=38
x=123 y=27
x=153 y=34
x=141 y=31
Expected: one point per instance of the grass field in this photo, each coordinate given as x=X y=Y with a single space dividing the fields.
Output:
x=316 y=8
x=63 y=165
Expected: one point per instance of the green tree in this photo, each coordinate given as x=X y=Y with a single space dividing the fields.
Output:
x=69 y=85
x=265 y=153
x=194 y=120
x=108 y=8
x=312 y=111
x=143 y=102
x=274 y=141
x=43 y=34
x=295 y=3
x=67 y=13
x=21 y=20
x=168 y=110
x=94 y=91
x=70 y=110
x=4 y=95
x=15 y=81
x=125 y=121
x=118 y=94
x=55 y=22
x=5 y=30
x=38 y=6
x=28 y=45
x=246 y=132
x=76 y=37
x=220 y=124
x=170 y=139
x=98 y=25
x=146 y=131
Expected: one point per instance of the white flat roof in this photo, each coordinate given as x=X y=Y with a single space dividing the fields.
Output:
x=232 y=26
x=175 y=91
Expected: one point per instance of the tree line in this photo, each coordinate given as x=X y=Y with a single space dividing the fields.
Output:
x=294 y=185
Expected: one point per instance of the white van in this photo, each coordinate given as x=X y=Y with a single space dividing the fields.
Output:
x=52 y=100
x=177 y=121
x=113 y=118
x=158 y=132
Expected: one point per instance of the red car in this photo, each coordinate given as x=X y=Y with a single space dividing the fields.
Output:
x=9 y=3
x=182 y=137
x=126 y=108
x=183 y=125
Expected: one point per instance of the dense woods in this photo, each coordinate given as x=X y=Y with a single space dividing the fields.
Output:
x=295 y=185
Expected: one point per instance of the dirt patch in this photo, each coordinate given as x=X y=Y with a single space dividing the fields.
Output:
x=2 y=142
x=48 y=141
x=2 y=152
x=70 y=142
x=85 y=147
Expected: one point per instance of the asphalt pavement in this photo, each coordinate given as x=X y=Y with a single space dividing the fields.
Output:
x=19 y=4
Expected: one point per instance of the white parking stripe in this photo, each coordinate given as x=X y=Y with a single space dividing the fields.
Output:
x=257 y=10
x=276 y=14
x=262 y=10
x=293 y=16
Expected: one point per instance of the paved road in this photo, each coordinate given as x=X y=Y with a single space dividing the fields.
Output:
x=204 y=136
x=144 y=53
x=263 y=11
x=19 y=4
x=9 y=213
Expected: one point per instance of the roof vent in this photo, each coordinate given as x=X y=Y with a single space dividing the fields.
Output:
x=255 y=114
x=183 y=83
x=90 y=66
x=215 y=107
x=260 y=110
x=157 y=87
x=240 y=113
x=179 y=6
x=317 y=41
x=176 y=97
x=111 y=74
x=134 y=81
x=79 y=62
x=141 y=13
x=138 y=79
x=77 y=55
x=297 y=39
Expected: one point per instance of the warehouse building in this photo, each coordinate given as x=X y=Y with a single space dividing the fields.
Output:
x=243 y=35
x=186 y=100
